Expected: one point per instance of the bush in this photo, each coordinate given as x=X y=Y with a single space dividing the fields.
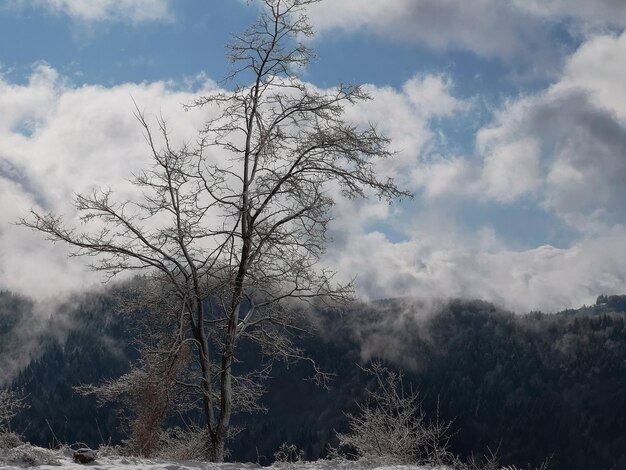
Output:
x=26 y=455
x=10 y=405
x=288 y=453
x=9 y=440
x=390 y=427
x=183 y=444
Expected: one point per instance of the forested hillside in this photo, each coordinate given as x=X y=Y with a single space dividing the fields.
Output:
x=529 y=386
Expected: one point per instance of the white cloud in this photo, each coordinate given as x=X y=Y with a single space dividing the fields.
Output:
x=488 y=27
x=599 y=67
x=443 y=265
x=520 y=32
x=446 y=177
x=136 y=11
x=405 y=116
x=578 y=126
x=57 y=140
x=432 y=96
x=512 y=170
x=395 y=115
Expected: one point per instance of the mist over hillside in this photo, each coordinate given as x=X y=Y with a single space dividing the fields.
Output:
x=25 y=327
x=530 y=386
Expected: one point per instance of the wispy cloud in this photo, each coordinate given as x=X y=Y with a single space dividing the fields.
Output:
x=135 y=11
x=519 y=33
x=608 y=11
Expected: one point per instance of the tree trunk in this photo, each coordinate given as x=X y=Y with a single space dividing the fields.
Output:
x=228 y=354
x=218 y=446
x=214 y=445
x=226 y=390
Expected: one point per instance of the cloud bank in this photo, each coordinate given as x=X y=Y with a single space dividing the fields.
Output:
x=561 y=151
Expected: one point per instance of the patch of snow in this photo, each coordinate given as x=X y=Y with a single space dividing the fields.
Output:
x=44 y=459
x=31 y=457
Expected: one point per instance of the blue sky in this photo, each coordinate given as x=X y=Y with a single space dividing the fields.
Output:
x=190 y=40
x=509 y=119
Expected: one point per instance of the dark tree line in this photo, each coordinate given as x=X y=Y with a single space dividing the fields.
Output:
x=529 y=386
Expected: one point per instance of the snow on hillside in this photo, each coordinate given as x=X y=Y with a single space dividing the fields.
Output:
x=44 y=459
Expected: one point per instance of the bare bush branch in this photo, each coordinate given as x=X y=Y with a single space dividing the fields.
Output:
x=390 y=427
x=10 y=405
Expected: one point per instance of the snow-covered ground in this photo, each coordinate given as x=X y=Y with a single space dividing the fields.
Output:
x=44 y=459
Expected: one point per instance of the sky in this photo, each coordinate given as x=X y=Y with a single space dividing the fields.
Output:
x=508 y=119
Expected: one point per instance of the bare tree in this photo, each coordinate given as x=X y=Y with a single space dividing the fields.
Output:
x=235 y=242
x=149 y=392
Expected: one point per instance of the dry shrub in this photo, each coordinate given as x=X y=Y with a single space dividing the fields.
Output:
x=183 y=444
x=390 y=427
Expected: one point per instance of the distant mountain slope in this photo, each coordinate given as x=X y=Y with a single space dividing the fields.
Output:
x=530 y=386
x=20 y=334
x=83 y=341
